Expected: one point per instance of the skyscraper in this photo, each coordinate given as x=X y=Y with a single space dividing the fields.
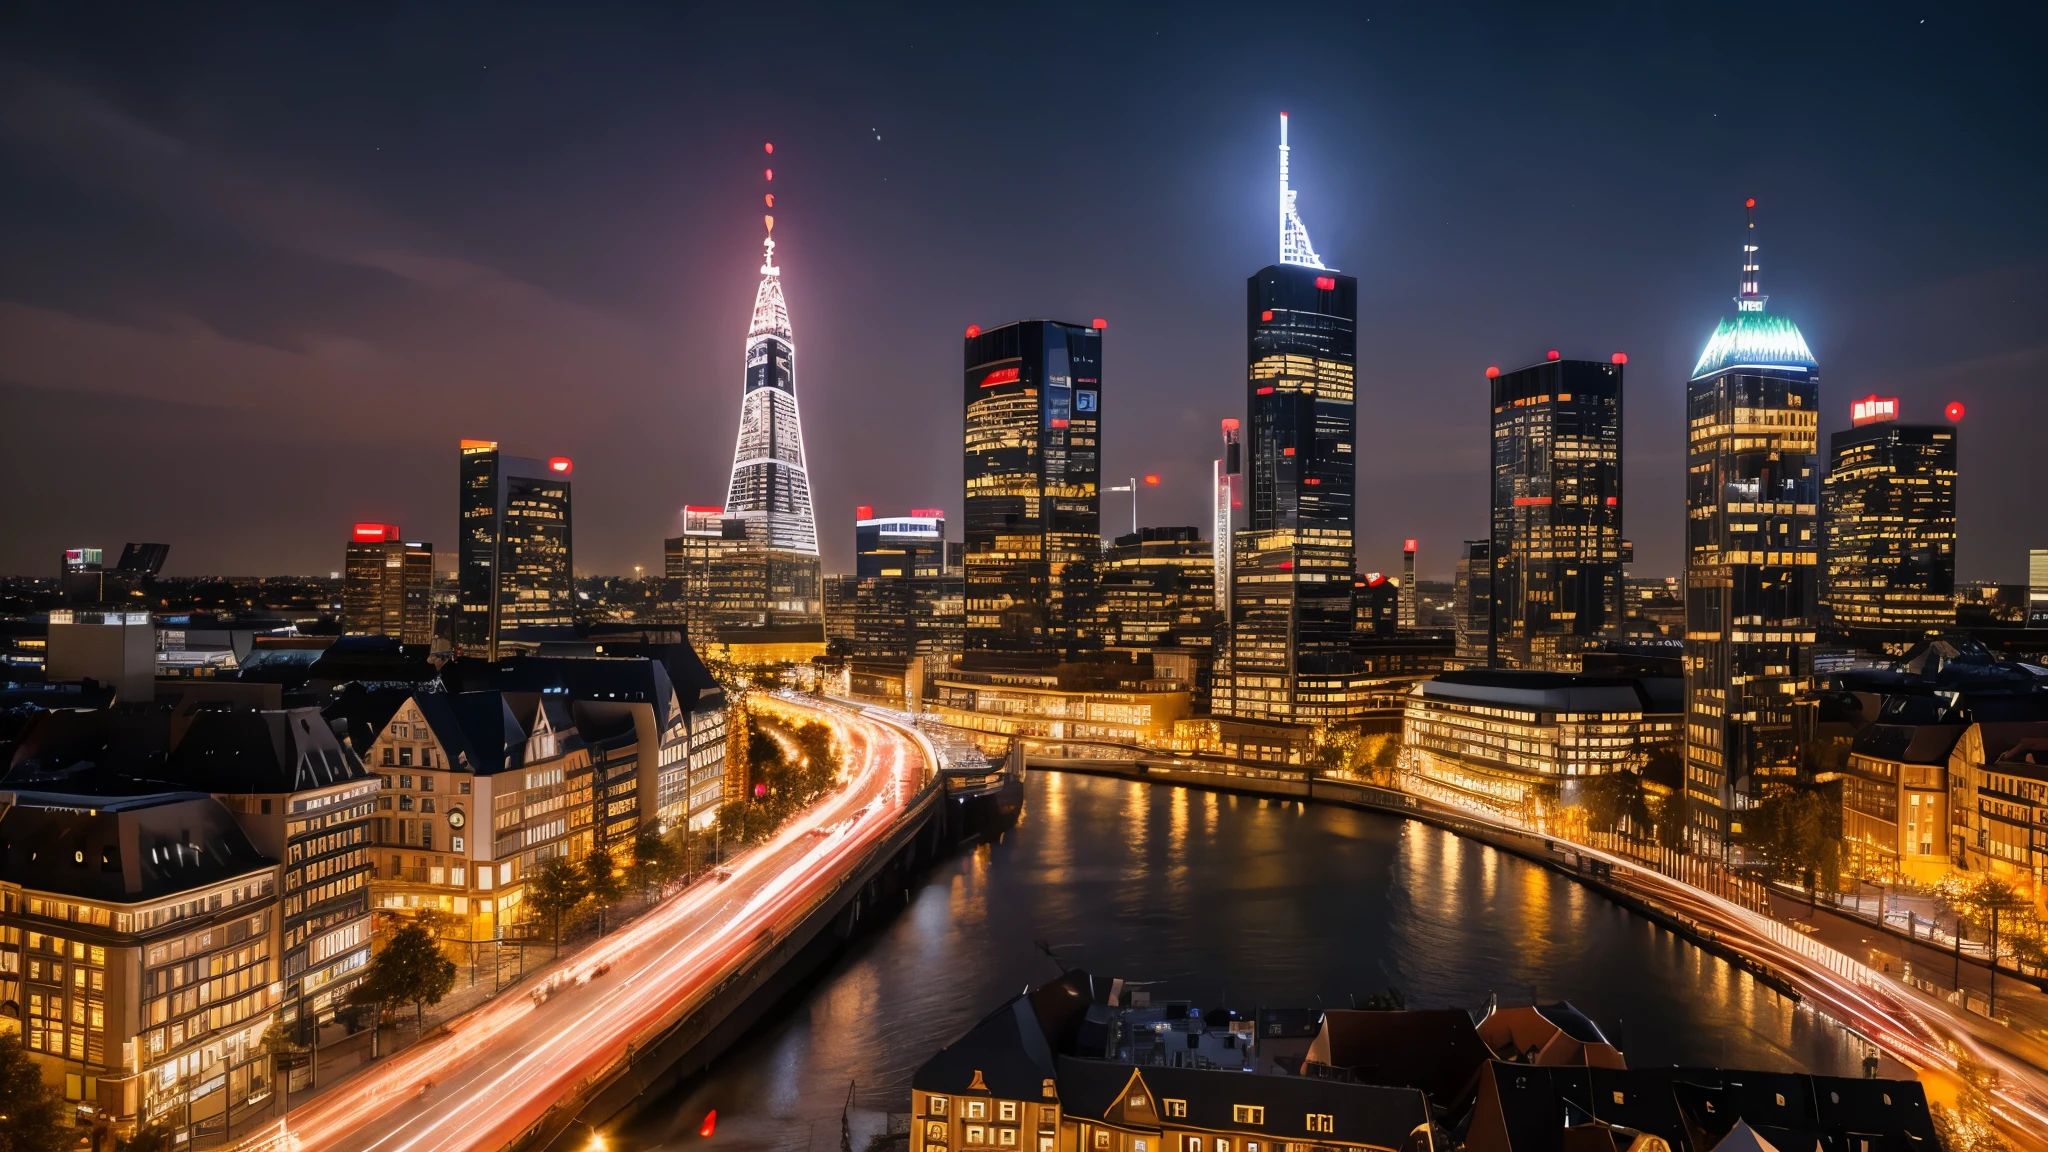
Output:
x=1228 y=503
x=913 y=545
x=1473 y=591
x=1752 y=550
x=1556 y=546
x=387 y=586
x=515 y=556
x=691 y=560
x=1411 y=587
x=1293 y=562
x=770 y=493
x=1033 y=393
x=1890 y=514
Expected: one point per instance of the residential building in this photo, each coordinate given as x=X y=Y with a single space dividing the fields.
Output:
x=1889 y=504
x=515 y=552
x=1033 y=396
x=303 y=798
x=1557 y=548
x=388 y=585
x=1752 y=556
x=1521 y=743
x=1472 y=588
x=139 y=940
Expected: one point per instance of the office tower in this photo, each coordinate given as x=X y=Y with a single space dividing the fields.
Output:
x=1473 y=591
x=387 y=586
x=1228 y=502
x=841 y=595
x=79 y=581
x=913 y=545
x=1033 y=394
x=1889 y=511
x=689 y=561
x=1376 y=605
x=1158 y=587
x=1293 y=564
x=2037 y=588
x=1411 y=587
x=770 y=493
x=1752 y=549
x=514 y=550
x=1556 y=546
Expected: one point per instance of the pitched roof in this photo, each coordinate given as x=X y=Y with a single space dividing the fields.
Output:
x=477 y=730
x=1006 y=1053
x=1435 y=1050
x=246 y=750
x=122 y=851
x=1387 y=1117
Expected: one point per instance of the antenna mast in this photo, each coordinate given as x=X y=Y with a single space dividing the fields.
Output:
x=1749 y=299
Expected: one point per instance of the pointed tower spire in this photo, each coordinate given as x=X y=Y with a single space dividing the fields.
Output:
x=1294 y=244
x=770 y=489
x=1749 y=299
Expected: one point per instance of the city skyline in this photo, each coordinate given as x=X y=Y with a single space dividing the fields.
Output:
x=181 y=326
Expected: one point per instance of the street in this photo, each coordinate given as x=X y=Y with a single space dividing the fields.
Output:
x=488 y=1076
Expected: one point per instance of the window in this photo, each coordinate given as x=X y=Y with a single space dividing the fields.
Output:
x=1007 y=1137
x=1179 y=1108
x=426 y=783
x=1320 y=1122
x=1101 y=1138
x=976 y=1134
x=405 y=758
x=935 y=1132
x=406 y=781
x=977 y=1109
x=1247 y=1113
x=389 y=760
x=1006 y=1110
x=938 y=1105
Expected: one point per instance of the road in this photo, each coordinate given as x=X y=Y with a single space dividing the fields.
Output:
x=496 y=1070
x=1918 y=1029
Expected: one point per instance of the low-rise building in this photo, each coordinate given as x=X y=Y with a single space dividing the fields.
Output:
x=1513 y=741
x=139 y=942
x=1045 y=705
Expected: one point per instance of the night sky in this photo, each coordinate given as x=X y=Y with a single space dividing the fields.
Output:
x=260 y=271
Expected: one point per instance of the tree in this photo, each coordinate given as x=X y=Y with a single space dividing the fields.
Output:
x=602 y=882
x=1970 y=1126
x=34 y=1111
x=1798 y=832
x=554 y=892
x=1674 y=817
x=656 y=862
x=1613 y=799
x=411 y=969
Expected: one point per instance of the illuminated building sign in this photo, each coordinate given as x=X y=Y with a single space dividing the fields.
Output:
x=864 y=512
x=1408 y=545
x=934 y=513
x=369 y=533
x=1084 y=401
x=999 y=376
x=561 y=465
x=1872 y=409
x=1326 y=283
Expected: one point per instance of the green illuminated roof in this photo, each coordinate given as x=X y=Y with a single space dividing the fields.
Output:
x=1758 y=339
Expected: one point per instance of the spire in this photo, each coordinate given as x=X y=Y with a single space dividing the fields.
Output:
x=1749 y=299
x=1294 y=244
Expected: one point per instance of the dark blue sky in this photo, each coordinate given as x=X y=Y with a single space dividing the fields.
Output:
x=259 y=271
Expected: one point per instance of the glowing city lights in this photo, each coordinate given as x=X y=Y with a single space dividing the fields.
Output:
x=561 y=465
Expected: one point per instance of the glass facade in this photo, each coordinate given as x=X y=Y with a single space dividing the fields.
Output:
x=1556 y=544
x=387 y=589
x=1033 y=395
x=1891 y=526
x=515 y=552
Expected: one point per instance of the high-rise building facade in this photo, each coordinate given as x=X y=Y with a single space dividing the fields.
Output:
x=1227 y=499
x=515 y=549
x=1556 y=547
x=1411 y=587
x=387 y=585
x=1889 y=504
x=1752 y=556
x=1290 y=655
x=1472 y=588
x=770 y=492
x=690 y=563
x=1033 y=394
x=913 y=545
x=2037 y=588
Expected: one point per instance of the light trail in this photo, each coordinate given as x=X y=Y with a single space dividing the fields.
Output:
x=496 y=1071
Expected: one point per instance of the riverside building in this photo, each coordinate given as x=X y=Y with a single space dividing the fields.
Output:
x=1752 y=556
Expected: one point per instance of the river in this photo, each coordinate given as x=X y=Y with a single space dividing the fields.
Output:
x=1225 y=900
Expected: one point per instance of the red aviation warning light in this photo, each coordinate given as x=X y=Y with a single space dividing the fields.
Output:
x=1230 y=422
x=1152 y=479
x=368 y=533
x=973 y=330
x=1954 y=411
x=1492 y=373
x=1266 y=317
x=768 y=173
x=561 y=465
x=710 y=1124
x=768 y=148
x=1873 y=409
x=864 y=511
x=1099 y=323
x=1550 y=355
x=1621 y=357
x=1749 y=203
x=1408 y=545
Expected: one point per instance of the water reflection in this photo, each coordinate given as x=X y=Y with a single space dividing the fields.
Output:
x=1227 y=898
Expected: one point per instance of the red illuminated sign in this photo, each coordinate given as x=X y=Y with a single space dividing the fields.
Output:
x=1326 y=283
x=1531 y=501
x=561 y=465
x=1374 y=579
x=999 y=376
x=376 y=532
x=713 y=508
x=1408 y=545
x=1287 y=565
x=1266 y=316
x=1230 y=423
x=1266 y=391
x=934 y=513
x=1873 y=408
x=1287 y=451
x=1058 y=423
x=864 y=512
x=1100 y=323
x=1613 y=500
x=1312 y=481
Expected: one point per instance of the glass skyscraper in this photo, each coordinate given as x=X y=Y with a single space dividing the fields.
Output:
x=1890 y=513
x=1752 y=557
x=1556 y=545
x=514 y=546
x=1033 y=394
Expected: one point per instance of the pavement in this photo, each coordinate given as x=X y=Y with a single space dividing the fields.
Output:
x=485 y=1078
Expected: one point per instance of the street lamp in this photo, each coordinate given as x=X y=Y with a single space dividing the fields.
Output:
x=1151 y=481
